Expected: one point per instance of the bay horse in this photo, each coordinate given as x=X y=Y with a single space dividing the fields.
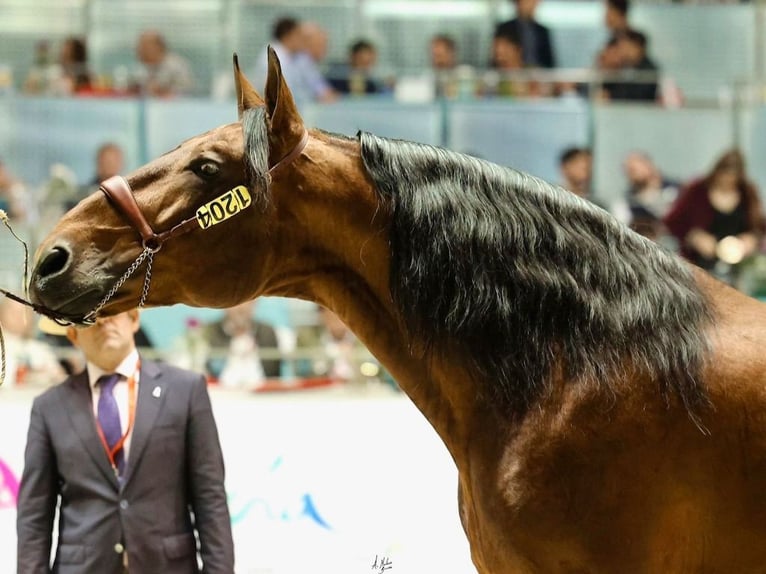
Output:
x=603 y=401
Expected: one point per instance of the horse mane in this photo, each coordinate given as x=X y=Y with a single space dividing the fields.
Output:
x=256 y=133
x=529 y=278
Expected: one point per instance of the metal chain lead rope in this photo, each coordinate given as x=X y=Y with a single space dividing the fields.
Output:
x=146 y=254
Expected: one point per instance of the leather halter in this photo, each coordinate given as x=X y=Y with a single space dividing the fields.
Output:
x=118 y=190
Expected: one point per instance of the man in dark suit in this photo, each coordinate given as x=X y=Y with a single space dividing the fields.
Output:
x=534 y=38
x=129 y=452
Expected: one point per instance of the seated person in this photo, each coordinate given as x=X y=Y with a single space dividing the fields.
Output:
x=443 y=55
x=718 y=219
x=340 y=355
x=650 y=194
x=356 y=76
x=507 y=59
x=28 y=360
x=233 y=345
x=631 y=47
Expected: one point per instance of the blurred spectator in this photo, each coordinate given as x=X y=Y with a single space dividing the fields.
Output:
x=315 y=41
x=506 y=59
x=27 y=360
x=342 y=356
x=110 y=161
x=616 y=17
x=576 y=169
x=632 y=50
x=13 y=194
x=299 y=70
x=234 y=343
x=160 y=72
x=718 y=219
x=443 y=49
x=533 y=38
x=356 y=76
x=68 y=76
x=75 y=73
x=443 y=52
x=650 y=194
x=44 y=70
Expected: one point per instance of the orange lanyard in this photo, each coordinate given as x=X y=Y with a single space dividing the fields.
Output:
x=112 y=453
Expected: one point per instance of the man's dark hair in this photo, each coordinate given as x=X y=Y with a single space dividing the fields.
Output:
x=571 y=153
x=622 y=6
x=283 y=27
x=360 y=46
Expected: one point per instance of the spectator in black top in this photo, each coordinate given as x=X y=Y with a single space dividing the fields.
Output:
x=356 y=76
x=534 y=38
x=632 y=48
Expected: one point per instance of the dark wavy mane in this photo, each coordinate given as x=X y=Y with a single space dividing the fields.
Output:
x=528 y=277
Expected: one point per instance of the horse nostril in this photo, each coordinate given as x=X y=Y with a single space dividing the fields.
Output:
x=53 y=262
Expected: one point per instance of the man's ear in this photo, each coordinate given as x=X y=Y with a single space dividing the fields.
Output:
x=286 y=123
x=247 y=96
x=71 y=335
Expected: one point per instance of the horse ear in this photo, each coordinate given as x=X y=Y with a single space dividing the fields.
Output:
x=286 y=123
x=247 y=97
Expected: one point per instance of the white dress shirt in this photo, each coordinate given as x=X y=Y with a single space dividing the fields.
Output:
x=127 y=368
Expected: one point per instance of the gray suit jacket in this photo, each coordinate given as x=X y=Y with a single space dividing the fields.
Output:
x=173 y=483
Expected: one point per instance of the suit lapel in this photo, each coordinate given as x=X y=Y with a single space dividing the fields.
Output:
x=148 y=405
x=80 y=411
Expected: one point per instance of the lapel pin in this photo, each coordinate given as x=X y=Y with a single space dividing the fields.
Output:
x=156 y=392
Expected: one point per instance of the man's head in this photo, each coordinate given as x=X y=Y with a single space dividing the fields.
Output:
x=108 y=341
x=443 y=52
x=362 y=56
x=576 y=168
x=315 y=41
x=288 y=32
x=525 y=9
x=639 y=169
x=616 y=15
x=109 y=161
x=632 y=47
x=506 y=53
x=151 y=48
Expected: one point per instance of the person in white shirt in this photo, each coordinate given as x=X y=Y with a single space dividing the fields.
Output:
x=299 y=69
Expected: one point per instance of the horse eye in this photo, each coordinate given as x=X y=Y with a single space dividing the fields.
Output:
x=207 y=169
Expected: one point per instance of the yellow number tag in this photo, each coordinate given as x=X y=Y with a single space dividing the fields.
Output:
x=223 y=207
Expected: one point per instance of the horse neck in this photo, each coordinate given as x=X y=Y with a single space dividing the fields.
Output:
x=333 y=250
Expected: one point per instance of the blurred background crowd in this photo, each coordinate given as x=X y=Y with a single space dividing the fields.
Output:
x=653 y=111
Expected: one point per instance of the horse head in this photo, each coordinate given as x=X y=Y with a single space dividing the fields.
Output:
x=204 y=224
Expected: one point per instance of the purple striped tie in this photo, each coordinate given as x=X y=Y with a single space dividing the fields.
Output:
x=109 y=416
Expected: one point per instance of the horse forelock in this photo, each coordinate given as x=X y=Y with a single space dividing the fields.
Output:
x=256 y=136
x=525 y=277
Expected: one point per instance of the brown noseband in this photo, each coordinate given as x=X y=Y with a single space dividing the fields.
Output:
x=117 y=189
